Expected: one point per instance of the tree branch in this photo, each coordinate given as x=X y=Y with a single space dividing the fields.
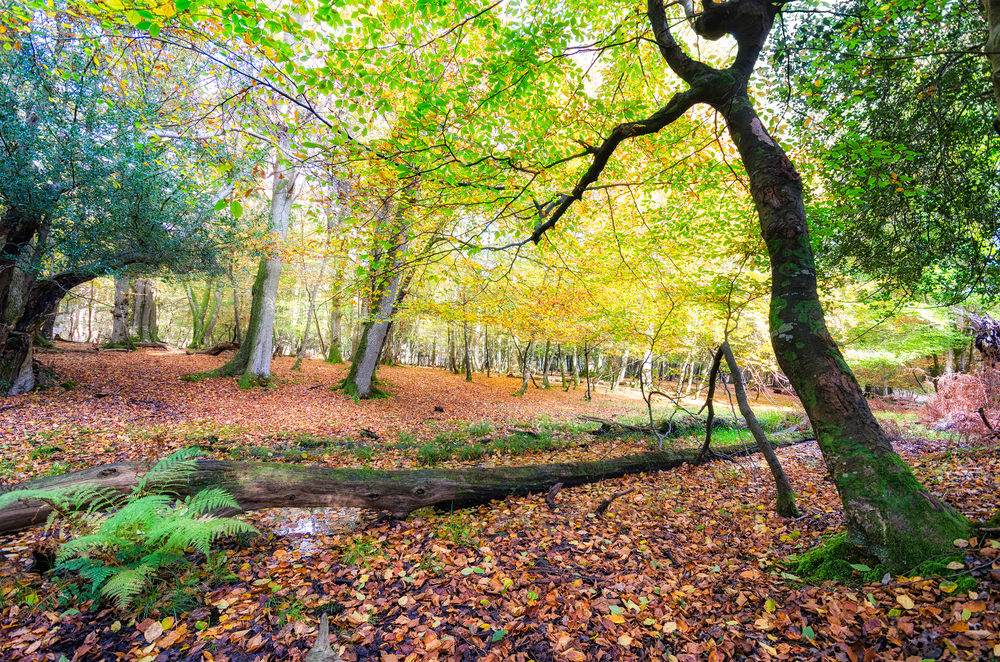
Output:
x=678 y=105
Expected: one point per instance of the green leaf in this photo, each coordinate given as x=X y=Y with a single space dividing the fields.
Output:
x=808 y=633
x=498 y=635
x=236 y=209
x=770 y=605
x=860 y=567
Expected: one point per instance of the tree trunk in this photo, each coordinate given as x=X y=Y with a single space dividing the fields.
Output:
x=545 y=364
x=360 y=381
x=17 y=370
x=237 y=327
x=576 y=370
x=253 y=361
x=888 y=512
x=257 y=485
x=119 y=314
x=786 y=497
x=525 y=360
x=621 y=372
x=144 y=310
x=468 y=362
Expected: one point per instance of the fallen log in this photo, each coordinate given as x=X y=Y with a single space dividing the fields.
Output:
x=259 y=485
x=216 y=349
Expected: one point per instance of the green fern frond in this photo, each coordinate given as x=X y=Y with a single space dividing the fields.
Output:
x=81 y=546
x=174 y=468
x=208 y=500
x=159 y=560
x=141 y=512
x=126 y=584
x=98 y=574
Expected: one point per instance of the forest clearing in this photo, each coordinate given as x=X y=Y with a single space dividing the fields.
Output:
x=499 y=330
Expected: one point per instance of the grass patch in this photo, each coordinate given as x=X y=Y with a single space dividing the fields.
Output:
x=453 y=445
x=44 y=451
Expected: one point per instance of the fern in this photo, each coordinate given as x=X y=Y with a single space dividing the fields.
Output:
x=121 y=553
x=126 y=584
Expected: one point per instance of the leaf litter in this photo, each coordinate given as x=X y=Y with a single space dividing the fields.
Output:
x=692 y=565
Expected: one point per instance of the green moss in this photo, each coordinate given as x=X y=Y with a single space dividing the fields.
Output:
x=839 y=560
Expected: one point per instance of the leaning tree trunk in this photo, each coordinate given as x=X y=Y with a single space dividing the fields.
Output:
x=888 y=512
x=360 y=381
x=253 y=361
x=257 y=485
x=786 y=497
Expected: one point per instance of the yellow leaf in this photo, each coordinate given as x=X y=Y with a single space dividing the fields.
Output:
x=905 y=601
x=114 y=4
x=167 y=9
x=167 y=623
x=624 y=640
x=956 y=565
x=616 y=618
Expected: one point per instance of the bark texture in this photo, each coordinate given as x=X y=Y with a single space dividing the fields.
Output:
x=253 y=361
x=257 y=485
x=143 y=306
x=119 y=314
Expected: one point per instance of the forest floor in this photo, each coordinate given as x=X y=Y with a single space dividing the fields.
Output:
x=691 y=565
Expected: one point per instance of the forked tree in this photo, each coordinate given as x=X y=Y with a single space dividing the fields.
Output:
x=888 y=512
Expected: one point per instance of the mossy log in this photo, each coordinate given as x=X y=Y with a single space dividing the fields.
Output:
x=258 y=485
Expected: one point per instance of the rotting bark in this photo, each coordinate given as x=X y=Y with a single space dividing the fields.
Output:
x=216 y=349
x=786 y=497
x=258 y=485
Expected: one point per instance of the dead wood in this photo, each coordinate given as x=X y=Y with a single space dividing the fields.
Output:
x=257 y=485
x=321 y=650
x=550 y=498
x=605 y=423
x=216 y=349
x=601 y=509
x=710 y=402
x=153 y=345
